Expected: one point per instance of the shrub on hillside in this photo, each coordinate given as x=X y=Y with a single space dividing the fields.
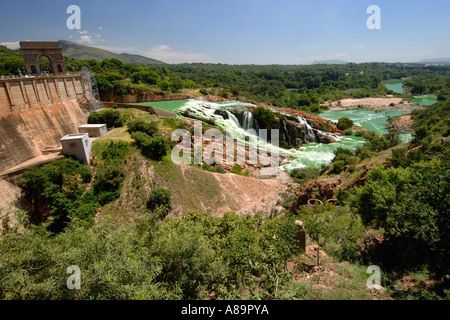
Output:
x=150 y=128
x=155 y=148
x=344 y=123
x=160 y=198
x=110 y=117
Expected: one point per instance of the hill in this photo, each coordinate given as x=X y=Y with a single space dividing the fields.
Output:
x=436 y=60
x=83 y=52
x=330 y=62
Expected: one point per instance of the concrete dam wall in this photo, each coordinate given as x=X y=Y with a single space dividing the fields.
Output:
x=36 y=112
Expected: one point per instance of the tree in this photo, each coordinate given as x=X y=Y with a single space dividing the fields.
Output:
x=12 y=63
x=412 y=206
x=155 y=148
x=160 y=198
x=344 y=123
x=148 y=77
x=110 y=117
x=150 y=128
x=264 y=116
x=164 y=85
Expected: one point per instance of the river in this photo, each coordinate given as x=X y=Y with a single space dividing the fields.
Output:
x=311 y=154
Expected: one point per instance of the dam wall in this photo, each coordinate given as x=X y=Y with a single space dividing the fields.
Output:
x=36 y=112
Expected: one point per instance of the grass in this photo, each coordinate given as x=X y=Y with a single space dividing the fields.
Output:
x=193 y=189
x=135 y=190
x=116 y=134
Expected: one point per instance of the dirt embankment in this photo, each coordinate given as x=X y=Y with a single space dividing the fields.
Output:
x=374 y=104
x=251 y=194
x=403 y=122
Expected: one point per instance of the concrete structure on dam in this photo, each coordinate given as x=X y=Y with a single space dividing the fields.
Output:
x=36 y=112
x=32 y=50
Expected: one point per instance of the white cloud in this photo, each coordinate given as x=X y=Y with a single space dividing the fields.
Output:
x=100 y=28
x=87 y=38
x=11 y=44
x=166 y=53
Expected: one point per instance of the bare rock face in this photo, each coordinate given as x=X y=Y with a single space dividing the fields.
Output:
x=363 y=177
x=316 y=189
x=292 y=132
x=136 y=95
x=315 y=121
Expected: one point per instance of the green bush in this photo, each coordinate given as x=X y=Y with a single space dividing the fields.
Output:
x=114 y=152
x=338 y=167
x=412 y=206
x=344 y=123
x=107 y=183
x=140 y=138
x=348 y=132
x=237 y=169
x=110 y=117
x=160 y=197
x=301 y=175
x=150 y=128
x=345 y=155
x=155 y=148
x=399 y=158
x=53 y=190
x=264 y=117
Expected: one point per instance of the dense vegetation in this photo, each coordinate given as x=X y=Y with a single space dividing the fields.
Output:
x=303 y=87
x=398 y=219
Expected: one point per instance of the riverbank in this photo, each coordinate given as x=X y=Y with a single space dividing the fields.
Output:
x=388 y=103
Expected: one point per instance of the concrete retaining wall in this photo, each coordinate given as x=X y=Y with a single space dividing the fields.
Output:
x=35 y=113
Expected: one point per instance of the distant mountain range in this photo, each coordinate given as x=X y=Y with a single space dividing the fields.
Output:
x=330 y=62
x=83 y=52
x=436 y=60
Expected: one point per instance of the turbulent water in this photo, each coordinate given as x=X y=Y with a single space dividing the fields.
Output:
x=312 y=154
x=371 y=120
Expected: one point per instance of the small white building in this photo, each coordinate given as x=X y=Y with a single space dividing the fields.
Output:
x=94 y=130
x=77 y=145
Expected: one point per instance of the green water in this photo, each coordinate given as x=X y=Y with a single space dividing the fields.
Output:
x=371 y=120
x=397 y=86
x=170 y=105
x=310 y=155
x=424 y=100
x=317 y=155
x=394 y=85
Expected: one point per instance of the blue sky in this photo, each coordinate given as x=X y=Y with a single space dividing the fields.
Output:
x=239 y=31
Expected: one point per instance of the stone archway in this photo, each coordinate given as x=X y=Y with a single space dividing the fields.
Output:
x=32 y=50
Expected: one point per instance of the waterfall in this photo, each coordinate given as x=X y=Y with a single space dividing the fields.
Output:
x=286 y=132
x=233 y=118
x=310 y=136
x=247 y=122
